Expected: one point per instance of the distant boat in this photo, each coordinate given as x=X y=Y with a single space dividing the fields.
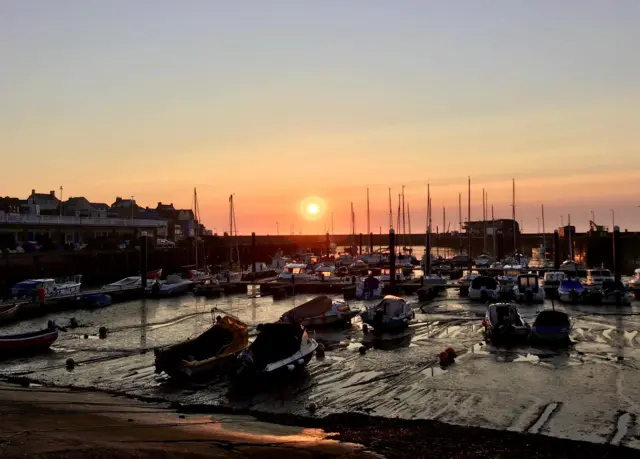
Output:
x=391 y=315
x=295 y=272
x=484 y=288
x=174 y=285
x=29 y=343
x=483 y=261
x=596 y=277
x=321 y=311
x=52 y=287
x=527 y=289
x=369 y=288
x=503 y=322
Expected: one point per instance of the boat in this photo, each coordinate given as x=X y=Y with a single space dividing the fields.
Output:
x=295 y=272
x=375 y=258
x=344 y=259
x=8 y=313
x=358 y=267
x=131 y=282
x=369 y=288
x=483 y=261
x=214 y=351
x=155 y=274
x=552 y=279
x=174 y=285
x=612 y=292
x=551 y=326
x=527 y=289
x=228 y=276
x=321 y=311
x=391 y=315
x=484 y=288
x=52 y=287
x=29 y=343
x=596 y=277
x=434 y=280
x=385 y=274
x=570 y=291
x=94 y=300
x=510 y=274
x=634 y=284
x=279 y=348
x=327 y=273
x=503 y=322
x=465 y=282
x=209 y=288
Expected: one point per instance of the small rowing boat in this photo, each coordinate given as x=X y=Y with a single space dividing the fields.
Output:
x=29 y=343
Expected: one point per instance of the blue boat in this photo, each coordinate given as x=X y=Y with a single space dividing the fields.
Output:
x=391 y=315
x=551 y=326
x=96 y=300
x=571 y=291
x=174 y=285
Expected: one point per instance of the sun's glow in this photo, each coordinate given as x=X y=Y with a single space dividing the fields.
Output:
x=313 y=209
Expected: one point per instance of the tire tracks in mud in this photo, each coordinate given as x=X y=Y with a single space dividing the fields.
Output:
x=544 y=416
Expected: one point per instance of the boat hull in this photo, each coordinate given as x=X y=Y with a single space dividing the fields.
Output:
x=330 y=320
x=28 y=343
x=549 y=334
x=9 y=313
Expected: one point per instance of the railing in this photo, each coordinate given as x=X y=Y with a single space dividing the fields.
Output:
x=22 y=219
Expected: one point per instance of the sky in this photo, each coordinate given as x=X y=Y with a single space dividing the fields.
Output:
x=285 y=101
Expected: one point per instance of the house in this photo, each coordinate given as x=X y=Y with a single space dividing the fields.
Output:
x=124 y=208
x=10 y=205
x=81 y=207
x=100 y=206
x=42 y=203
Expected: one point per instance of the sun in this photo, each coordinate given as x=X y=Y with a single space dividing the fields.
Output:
x=313 y=209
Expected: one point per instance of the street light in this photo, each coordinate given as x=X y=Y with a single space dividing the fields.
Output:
x=593 y=216
x=613 y=219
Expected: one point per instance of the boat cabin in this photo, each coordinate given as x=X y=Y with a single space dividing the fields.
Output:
x=479 y=282
x=598 y=276
x=528 y=282
x=294 y=269
x=554 y=277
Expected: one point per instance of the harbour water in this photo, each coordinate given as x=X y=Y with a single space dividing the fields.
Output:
x=524 y=388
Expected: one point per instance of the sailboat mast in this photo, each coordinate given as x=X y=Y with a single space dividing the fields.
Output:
x=444 y=220
x=409 y=221
x=369 y=222
x=493 y=231
x=390 y=211
x=399 y=212
x=230 y=230
x=427 y=256
x=570 y=238
x=196 y=222
x=513 y=215
x=469 y=224
x=484 y=219
x=460 y=220
x=544 y=235
x=404 y=225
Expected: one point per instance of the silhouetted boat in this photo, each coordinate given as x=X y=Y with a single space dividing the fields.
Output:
x=321 y=311
x=8 y=313
x=391 y=315
x=503 y=322
x=29 y=343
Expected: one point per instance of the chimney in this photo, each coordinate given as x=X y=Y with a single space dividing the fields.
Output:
x=33 y=191
x=52 y=193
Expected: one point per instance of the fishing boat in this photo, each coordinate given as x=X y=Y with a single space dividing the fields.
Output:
x=131 y=282
x=8 y=313
x=29 y=343
x=321 y=311
x=434 y=280
x=369 y=288
x=391 y=315
x=214 y=351
x=279 y=348
x=52 y=287
x=295 y=272
x=570 y=291
x=174 y=285
x=612 y=292
x=484 y=288
x=634 y=284
x=510 y=274
x=503 y=322
x=596 y=277
x=527 y=289
x=551 y=326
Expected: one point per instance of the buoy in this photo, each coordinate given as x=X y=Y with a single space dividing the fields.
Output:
x=102 y=332
x=444 y=358
x=70 y=363
x=85 y=336
x=312 y=407
x=362 y=350
x=291 y=367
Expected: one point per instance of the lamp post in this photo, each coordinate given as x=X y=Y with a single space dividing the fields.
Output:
x=60 y=206
x=613 y=219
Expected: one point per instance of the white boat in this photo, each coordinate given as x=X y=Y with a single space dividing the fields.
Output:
x=527 y=289
x=174 y=285
x=374 y=258
x=510 y=274
x=369 y=288
x=391 y=315
x=385 y=275
x=344 y=259
x=279 y=347
x=483 y=261
x=484 y=288
x=295 y=272
x=327 y=273
x=52 y=287
x=596 y=277
x=128 y=283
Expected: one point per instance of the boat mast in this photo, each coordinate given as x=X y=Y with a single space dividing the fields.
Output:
x=484 y=219
x=230 y=231
x=493 y=231
x=469 y=225
x=353 y=230
x=369 y=222
x=409 y=221
x=513 y=215
x=460 y=220
x=570 y=241
x=427 y=256
x=544 y=235
x=196 y=217
x=444 y=220
x=404 y=226
x=390 y=211
x=398 y=216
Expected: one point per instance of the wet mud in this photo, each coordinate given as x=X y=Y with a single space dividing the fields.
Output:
x=584 y=391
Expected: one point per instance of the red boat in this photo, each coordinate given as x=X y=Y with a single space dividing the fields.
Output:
x=157 y=274
x=28 y=343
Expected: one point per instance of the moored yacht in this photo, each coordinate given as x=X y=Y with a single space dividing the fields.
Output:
x=295 y=272
x=484 y=288
x=596 y=277
x=527 y=289
x=51 y=287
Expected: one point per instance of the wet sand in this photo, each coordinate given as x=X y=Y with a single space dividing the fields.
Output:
x=584 y=392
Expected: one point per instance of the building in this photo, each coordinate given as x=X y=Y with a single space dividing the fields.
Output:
x=125 y=208
x=81 y=207
x=10 y=205
x=42 y=203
